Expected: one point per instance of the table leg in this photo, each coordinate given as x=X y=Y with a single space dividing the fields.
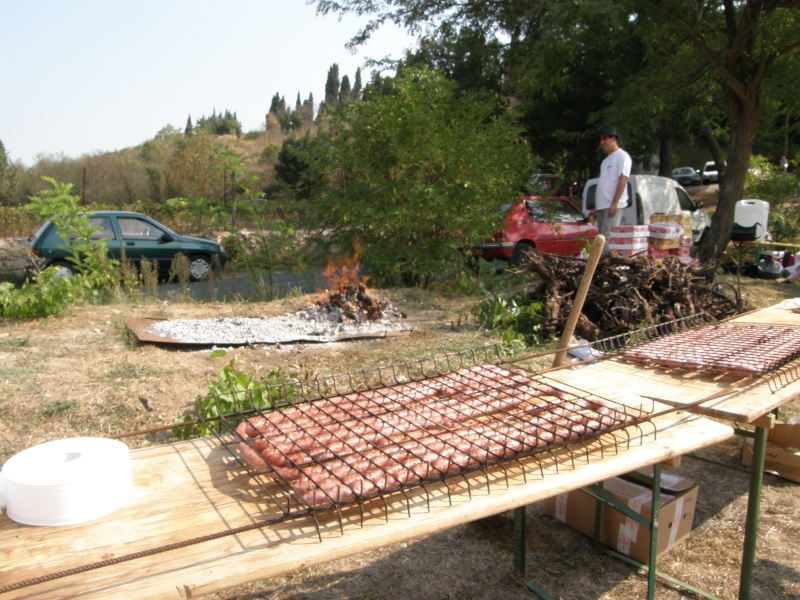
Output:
x=753 y=508
x=519 y=541
x=656 y=505
x=520 y=525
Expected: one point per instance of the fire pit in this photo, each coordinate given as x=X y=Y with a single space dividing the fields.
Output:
x=349 y=312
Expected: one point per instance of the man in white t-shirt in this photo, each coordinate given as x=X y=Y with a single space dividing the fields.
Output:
x=611 y=195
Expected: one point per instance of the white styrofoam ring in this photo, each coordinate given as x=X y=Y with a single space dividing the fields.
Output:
x=67 y=481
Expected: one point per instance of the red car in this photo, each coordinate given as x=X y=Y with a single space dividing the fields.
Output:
x=553 y=225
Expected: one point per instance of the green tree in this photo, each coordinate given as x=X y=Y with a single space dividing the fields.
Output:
x=741 y=43
x=357 y=85
x=195 y=168
x=411 y=176
x=332 y=85
x=345 y=91
x=226 y=123
x=292 y=171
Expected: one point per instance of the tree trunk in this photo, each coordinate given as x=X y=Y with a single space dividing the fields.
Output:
x=744 y=112
x=713 y=146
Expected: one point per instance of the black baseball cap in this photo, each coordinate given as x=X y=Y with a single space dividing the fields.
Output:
x=607 y=131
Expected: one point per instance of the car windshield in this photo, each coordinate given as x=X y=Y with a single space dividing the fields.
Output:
x=39 y=232
x=553 y=211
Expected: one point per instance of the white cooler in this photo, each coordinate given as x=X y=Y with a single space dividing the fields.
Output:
x=753 y=212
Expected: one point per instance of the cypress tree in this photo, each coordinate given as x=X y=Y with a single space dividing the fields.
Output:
x=345 y=91
x=332 y=86
x=357 y=85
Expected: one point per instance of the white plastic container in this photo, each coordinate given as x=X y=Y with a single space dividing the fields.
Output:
x=68 y=481
x=753 y=212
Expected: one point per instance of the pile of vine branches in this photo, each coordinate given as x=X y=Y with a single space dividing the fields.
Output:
x=625 y=293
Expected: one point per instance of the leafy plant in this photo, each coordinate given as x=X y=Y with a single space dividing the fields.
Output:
x=233 y=392
x=413 y=175
x=782 y=191
x=517 y=318
x=49 y=295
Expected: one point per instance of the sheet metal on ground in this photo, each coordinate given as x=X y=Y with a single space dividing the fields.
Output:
x=141 y=329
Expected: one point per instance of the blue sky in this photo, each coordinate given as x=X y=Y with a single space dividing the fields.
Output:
x=87 y=76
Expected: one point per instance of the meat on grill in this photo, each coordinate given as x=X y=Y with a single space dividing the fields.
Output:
x=744 y=349
x=361 y=444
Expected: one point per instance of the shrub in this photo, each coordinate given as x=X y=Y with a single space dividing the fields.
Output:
x=234 y=392
x=782 y=190
x=517 y=318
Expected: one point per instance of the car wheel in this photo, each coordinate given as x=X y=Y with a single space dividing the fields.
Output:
x=520 y=254
x=63 y=269
x=199 y=267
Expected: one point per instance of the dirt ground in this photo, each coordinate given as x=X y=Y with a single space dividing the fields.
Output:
x=82 y=373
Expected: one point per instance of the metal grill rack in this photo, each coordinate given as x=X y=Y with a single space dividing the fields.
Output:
x=617 y=343
x=376 y=436
x=741 y=349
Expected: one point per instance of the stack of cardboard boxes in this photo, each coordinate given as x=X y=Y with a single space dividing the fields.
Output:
x=678 y=498
x=666 y=235
x=628 y=240
x=671 y=235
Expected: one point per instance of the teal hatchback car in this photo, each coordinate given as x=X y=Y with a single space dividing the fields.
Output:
x=139 y=236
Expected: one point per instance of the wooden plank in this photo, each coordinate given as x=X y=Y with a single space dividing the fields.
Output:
x=744 y=404
x=769 y=316
x=193 y=489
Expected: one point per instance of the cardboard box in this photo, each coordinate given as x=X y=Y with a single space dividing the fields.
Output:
x=783 y=451
x=665 y=231
x=664 y=244
x=631 y=243
x=681 y=251
x=676 y=513
x=684 y=219
x=657 y=253
x=629 y=231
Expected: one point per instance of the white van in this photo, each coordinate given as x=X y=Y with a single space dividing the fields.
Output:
x=710 y=174
x=651 y=194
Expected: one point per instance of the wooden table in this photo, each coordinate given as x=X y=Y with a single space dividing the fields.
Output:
x=738 y=400
x=195 y=492
x=190 y=490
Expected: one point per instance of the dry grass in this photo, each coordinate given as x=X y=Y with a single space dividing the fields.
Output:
x=80 y=374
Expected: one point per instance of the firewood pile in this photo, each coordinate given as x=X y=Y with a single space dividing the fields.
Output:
x=352 y=301
x=626 y=293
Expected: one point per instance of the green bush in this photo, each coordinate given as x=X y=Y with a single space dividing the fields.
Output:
x=782 y=190
x=96 y=274
x=235 y=392
x=516 y=318
x=49 y=295
x=414 y=175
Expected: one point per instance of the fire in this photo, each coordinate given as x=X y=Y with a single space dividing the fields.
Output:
x=345 y=275
x=347 y=293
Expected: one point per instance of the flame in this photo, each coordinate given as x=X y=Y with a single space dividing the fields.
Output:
x=344 y=275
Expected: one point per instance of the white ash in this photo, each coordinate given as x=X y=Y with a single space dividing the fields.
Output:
x=312 y=324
